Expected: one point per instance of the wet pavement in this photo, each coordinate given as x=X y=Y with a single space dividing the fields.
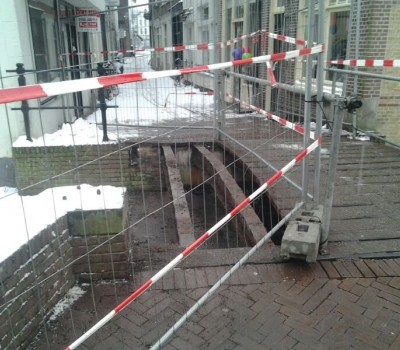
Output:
x=328 y=305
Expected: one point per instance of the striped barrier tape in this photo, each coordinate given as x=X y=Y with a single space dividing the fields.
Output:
x=64 y=87
x=367 y=63
x=270 y=74
x=144 y=287
x=271 y=116
x=204 y=46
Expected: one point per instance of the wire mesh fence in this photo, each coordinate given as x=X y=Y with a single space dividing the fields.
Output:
x=142 y=171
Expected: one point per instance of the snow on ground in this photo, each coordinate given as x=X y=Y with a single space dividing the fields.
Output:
x=73 y=295
x=26 y=216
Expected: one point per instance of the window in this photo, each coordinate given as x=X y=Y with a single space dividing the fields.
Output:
x=43 y=42
x=336 y=29
x=337 y=37
x=239 y=11
x=228 y=23
x=205 y=12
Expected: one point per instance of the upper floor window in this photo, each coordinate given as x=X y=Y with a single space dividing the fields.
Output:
x=205 y=12
x=336 y=29
x=239 y=11
x=337 y=37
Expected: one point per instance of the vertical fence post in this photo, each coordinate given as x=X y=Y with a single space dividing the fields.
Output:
x=219 y=102
x=307 y=104
x=340 y=105
x=24 y=104
x=319 y=112
x=219 y=80
x=103 y=105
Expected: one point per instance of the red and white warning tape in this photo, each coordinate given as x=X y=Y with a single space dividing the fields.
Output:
x=367 y=63
x=270 y=74
x=52 y=89
x=195 y=244
x=205 y=46
x=269 y=115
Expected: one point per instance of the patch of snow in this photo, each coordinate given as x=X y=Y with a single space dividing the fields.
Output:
x=31 y=214
x=80 y=132
x=72 y=295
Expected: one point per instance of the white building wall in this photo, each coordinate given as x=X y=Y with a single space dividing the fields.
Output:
x=16 y=42
x=16 y=47
x=200 y=27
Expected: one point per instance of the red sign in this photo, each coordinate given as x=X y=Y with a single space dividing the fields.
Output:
x=88 y=24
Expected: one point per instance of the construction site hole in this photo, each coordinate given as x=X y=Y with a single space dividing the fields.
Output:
x=207 y=201
x=247 y=181
x=204 y=204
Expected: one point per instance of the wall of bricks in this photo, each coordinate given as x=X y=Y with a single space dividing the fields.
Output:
x=38 y=168
x=379 y=28
x=29 y=290
x=20 y=275
x=99 y=244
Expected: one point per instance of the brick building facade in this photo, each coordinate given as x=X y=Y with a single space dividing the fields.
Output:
x=352 y=29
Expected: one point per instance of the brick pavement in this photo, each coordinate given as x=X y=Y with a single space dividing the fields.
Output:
x=342 y=304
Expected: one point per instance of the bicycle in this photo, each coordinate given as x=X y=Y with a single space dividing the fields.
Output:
x=110 y=91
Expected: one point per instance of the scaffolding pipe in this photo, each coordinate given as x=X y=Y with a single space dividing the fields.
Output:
x=219 y=89
x=319 y=112
x=291 y=88
x=363 y=74
x=307 y=96
x=357 y=54
x=334 y=154
x=222 y=280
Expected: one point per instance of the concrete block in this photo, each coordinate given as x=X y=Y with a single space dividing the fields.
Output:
x=310 y=213
x=301 y=240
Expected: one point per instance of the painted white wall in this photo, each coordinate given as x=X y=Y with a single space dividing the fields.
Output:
x=17 y=48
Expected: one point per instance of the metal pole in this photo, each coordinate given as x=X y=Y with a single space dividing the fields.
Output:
x=334 y=154
x=103 y=105
x=24 y=104
x=357 y=55
x=320 y=91
x=363 y=74
x=219 y=88
x=307 y=105
x=291 y=88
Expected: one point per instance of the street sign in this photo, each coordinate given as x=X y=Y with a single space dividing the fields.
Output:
x=112 y=2
x=88 y=24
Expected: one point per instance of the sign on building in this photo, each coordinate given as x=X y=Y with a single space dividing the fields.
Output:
x=88 y=24
x=112 y=2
